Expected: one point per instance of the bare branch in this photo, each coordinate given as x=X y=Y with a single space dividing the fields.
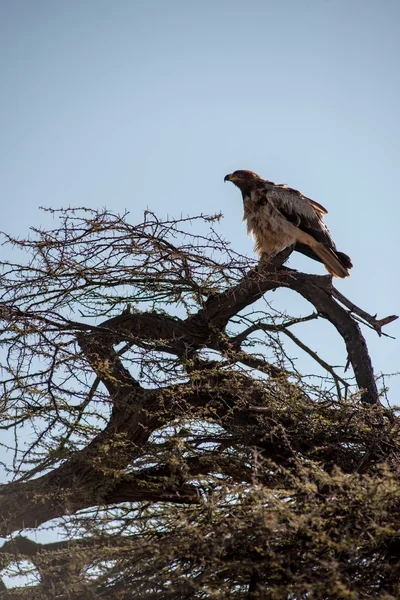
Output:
x=370 y=320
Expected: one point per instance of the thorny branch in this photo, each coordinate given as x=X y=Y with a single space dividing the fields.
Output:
x=369 y=320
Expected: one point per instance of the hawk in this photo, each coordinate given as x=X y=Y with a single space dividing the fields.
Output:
x=279 y=216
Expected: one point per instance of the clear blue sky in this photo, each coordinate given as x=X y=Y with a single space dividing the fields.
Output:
x=135 y=104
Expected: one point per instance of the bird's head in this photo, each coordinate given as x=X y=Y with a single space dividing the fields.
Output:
x=245 y=180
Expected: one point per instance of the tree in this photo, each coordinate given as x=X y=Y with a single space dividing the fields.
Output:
x=169 y=432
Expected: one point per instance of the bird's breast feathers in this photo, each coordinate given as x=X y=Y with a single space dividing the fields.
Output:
x=271 y=231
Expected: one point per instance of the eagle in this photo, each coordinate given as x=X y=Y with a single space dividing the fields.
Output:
x=278 y=217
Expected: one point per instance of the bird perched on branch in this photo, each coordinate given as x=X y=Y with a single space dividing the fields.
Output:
x=279 y=216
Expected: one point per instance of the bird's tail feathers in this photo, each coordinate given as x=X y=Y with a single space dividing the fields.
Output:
x=344 y=259
x=336 y=263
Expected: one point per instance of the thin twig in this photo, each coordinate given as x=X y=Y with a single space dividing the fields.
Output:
x=366 y=318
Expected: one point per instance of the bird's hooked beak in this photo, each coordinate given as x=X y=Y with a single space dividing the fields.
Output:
x=229 y=177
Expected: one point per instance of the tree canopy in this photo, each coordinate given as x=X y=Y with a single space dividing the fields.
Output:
x=153 y=414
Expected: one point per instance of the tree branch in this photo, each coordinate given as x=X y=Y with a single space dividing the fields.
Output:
x=318 y=291
x=368 y=319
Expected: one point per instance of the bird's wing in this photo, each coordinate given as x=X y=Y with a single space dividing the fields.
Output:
x=317 y=207
x=303 y=212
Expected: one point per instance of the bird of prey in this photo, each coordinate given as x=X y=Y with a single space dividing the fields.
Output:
x=279 y=216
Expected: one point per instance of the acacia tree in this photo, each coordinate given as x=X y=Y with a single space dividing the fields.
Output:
x=160 y=423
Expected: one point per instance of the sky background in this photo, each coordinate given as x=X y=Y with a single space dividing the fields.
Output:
x=149 y=104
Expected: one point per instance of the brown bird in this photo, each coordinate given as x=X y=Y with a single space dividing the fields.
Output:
x=279 y=216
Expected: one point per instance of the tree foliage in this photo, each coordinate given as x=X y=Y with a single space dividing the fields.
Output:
x=153 y=414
